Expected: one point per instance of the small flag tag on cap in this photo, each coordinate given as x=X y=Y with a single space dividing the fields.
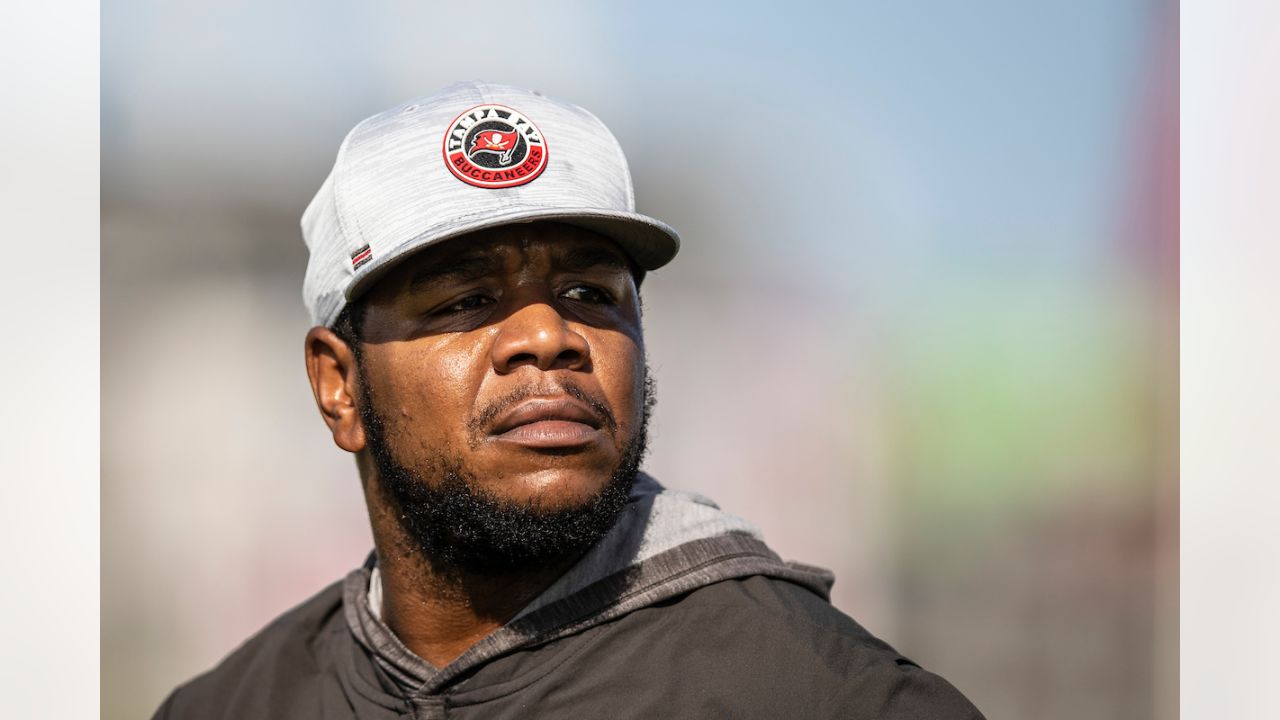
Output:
x=360 y=257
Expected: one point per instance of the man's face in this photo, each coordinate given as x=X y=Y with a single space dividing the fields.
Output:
x=509 y=361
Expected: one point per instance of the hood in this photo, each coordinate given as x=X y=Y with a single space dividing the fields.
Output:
x=665 y=543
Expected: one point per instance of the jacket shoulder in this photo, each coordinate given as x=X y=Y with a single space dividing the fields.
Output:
x=271 y=671
x=766 y=647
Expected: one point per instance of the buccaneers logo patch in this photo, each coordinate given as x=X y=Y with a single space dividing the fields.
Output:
x=493 y=146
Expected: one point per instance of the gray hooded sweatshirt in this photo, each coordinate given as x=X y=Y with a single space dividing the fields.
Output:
x=680 y=611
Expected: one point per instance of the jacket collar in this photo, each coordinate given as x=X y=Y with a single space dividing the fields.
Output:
x=665 y=543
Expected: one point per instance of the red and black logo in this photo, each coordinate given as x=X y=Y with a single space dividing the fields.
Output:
x=493 y=146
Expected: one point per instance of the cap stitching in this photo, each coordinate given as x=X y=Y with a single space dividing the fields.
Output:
x=566 y=208
x=339 y=173
x=622 y=156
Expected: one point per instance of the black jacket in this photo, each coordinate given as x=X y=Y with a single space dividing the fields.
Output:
x=701 y=623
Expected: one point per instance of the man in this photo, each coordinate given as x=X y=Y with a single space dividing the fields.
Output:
x=473 y=280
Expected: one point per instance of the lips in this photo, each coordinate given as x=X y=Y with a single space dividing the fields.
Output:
x=561 y=422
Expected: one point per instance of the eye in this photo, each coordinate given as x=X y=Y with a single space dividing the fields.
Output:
x=588 y=294
x=470 y=302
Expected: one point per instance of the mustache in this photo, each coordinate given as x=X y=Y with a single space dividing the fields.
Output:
x=484 y=418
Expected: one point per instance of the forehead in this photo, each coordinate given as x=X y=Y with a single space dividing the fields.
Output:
x=505 y=250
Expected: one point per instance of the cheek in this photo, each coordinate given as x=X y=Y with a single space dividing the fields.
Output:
x=426 y=392
x=620 y=369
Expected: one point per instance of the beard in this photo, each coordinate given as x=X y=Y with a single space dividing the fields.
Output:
x=452 y=521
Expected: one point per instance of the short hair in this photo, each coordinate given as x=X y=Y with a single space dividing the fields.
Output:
x=349 y=325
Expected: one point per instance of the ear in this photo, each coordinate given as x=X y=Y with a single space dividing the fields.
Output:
x=331 y=368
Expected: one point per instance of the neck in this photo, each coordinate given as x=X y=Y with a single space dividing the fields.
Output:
x=439 y=611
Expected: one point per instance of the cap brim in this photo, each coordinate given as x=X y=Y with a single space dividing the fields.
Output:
x=648 y=242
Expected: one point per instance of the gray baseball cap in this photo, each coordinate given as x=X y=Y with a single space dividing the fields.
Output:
x=472 y=156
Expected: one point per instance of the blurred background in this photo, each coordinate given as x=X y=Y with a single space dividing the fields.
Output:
x=965 y=402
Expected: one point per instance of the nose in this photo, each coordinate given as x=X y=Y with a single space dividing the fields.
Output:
x=537 y=335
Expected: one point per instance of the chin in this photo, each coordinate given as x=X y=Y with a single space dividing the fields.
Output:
x=552 y=489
